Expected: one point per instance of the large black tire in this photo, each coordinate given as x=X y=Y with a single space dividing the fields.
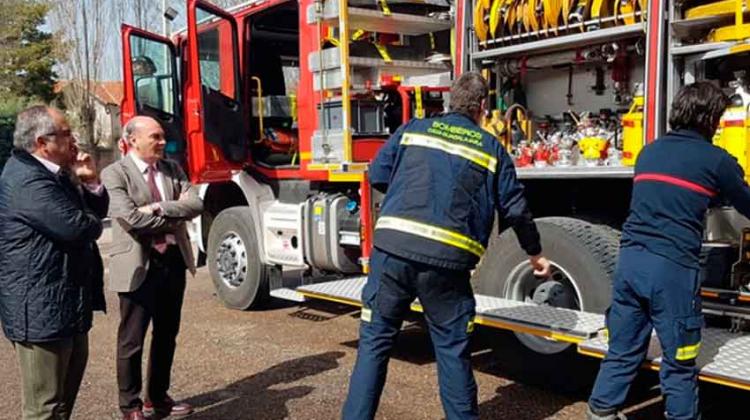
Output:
x=588 y=253
x=248 y=287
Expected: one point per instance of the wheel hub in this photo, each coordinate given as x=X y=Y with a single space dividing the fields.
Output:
x=559 y=290
x=555 y=294
x=231 y=260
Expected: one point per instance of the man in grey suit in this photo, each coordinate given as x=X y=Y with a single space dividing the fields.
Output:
x=150 y=201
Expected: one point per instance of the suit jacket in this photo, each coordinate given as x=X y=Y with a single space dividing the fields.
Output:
x=133 y=232
x=50 y=269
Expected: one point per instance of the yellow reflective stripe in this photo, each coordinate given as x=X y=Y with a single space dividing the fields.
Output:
x=384 y=7
x=418 y=96
x=480 y=158
x=383 y=52
x=331 y=37
x=293 y=106
x=435 y=233
x=688 y=352
x=357 y=35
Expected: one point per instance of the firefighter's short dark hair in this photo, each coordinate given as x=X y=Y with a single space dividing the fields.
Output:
x=698 y=107
x=468 y=92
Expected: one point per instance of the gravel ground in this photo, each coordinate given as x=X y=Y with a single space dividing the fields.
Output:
x=289 y=361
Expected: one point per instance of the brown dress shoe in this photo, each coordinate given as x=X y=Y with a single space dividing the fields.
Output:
x=168 y=407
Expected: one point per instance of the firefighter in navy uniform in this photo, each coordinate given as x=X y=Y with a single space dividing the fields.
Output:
x=445 y=179
x=656 y=283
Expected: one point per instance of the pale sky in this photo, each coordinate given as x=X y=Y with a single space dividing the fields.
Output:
x=112 y=60
x=113 y=64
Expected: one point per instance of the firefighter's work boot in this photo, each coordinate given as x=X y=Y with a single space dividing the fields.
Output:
x=608 y=415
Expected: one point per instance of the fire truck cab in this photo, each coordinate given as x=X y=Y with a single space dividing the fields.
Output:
x=275 y=107
x=277 y=119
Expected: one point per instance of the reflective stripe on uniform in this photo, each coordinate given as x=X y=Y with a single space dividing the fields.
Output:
x=688 y=352
x=435 y=233
x=366 y=315
x=480 y=158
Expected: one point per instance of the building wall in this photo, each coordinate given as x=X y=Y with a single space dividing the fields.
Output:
x=108 y=131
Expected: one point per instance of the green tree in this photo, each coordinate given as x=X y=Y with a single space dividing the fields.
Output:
x=9 y=108
x=6 y=138
x=26 y=61
x=26 y=51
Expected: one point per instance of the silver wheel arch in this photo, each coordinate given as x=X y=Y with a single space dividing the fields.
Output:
x=258 y=197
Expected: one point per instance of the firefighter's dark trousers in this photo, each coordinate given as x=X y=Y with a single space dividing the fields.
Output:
x=449 y=306
x=652 y=292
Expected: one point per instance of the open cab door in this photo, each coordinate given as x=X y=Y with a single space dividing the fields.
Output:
x=215 y=121
x=150 y=85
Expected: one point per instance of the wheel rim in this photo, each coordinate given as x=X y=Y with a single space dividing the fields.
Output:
x=231 y=260
x=560 y=290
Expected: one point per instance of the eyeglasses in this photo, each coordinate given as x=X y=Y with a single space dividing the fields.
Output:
x=63 y=134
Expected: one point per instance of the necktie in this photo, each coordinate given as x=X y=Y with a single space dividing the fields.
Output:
x=160 y=240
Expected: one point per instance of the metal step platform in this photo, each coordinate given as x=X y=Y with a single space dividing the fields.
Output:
x=724 y=356
x=288 y=294
x=559 y=324
x=348 y=291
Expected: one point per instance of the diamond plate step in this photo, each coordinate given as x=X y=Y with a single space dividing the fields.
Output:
x=288 y=294
x=561 y=324
x=347 y=291
x=724 y=356
x=564 y=324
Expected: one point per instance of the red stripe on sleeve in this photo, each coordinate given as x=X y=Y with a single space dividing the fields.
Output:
x=679 y=182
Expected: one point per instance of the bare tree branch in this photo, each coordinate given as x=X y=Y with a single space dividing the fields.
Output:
x=67 y=18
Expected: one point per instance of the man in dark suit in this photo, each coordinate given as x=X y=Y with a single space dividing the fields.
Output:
x=151 y=201
x=51 y=276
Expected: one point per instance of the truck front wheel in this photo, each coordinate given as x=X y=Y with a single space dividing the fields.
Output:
x=239 y=276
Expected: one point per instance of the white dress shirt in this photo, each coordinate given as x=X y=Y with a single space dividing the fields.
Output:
x=93 y=187
x=51 y=166
x=159 y=178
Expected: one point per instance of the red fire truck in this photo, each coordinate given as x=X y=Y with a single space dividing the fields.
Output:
x=275 y=108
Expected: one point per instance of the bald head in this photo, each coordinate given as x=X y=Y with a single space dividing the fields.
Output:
x=145 y=138
x=136 y=123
